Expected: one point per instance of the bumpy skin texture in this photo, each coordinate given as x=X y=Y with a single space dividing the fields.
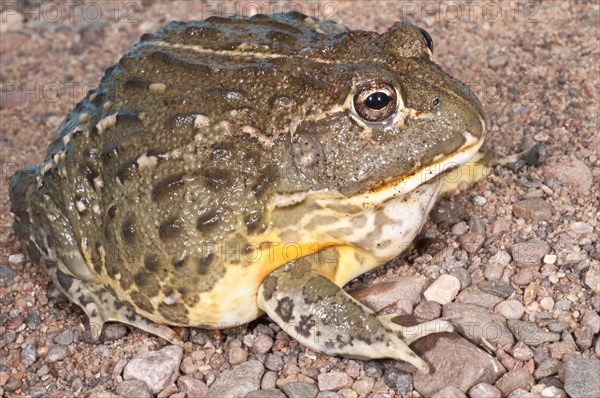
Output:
x=170 y=192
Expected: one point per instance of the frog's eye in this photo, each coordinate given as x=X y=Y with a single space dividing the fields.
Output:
x=376 y=102
x=428 y=39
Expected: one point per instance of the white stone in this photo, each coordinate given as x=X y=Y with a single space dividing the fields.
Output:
x=547 y=303
x=443 y=290
x=158 y=369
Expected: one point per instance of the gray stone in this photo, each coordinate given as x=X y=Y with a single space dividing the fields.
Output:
x=238 y=381
x=428 y=310
x=268 y=381
x=333 y=381
x=65 y=337
x=454 y=362
x=474 y=295
x=262 y=344
x=384 y=294
x=513 y=380
x=478 y=324
x=530 y=253
x=297 y=389
x=373 y=369
x=57 y=352
x=192 y=387
x=271 y=393
x=133 y=388
x=523 y=277
x=529 y=333
x=157 y=369
x=484 y=390
x=498 y=288
x=582 y=378
x=274 y=362
x=404 y=384
x=583 y=337
x=29 y=355
x=7 y=274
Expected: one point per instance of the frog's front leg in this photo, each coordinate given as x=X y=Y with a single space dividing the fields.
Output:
x=321 y=316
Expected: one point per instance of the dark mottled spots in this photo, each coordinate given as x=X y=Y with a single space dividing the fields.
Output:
x=208 y=220
x=216 y=178
x=110 y=152
x=91 y=155
x=89 y=172
x=252 y=220
x=171 y=62
x=204 y=263
x=99 y=99
x=168 y=188
x=64 y=280
x=282 y=39
x=285 y=309
x=84 y=300
x=265 y=180
x=127 y=171
x=112 y=211
x=142 y=302
x=33 y=252
x=171 y=229
x=269 y=286
x=175 y=313
x=178 y=262
x=136 y=84
x=152 y=262
x=128 y=120
x=129 y=229
x=141 y=278
x=50 y=264
x=307 y=322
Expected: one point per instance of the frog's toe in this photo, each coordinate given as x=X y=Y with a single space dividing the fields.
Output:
x=101 y=306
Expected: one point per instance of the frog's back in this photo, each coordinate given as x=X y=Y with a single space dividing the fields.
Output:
x=155 y=184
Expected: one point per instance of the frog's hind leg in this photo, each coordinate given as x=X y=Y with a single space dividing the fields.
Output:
x=101 y=305
x=320 y=315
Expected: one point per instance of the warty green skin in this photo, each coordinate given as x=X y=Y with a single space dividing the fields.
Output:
x=192 y=135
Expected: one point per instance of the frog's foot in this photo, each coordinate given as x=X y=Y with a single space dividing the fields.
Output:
x=321 y=316
x=480 y=166
x=101 y=305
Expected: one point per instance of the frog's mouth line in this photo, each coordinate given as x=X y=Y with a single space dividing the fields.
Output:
x=405 y=184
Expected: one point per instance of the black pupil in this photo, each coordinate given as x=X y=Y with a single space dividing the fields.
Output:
x=377 y=100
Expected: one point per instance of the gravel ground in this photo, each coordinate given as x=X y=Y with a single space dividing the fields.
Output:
x=513 y=262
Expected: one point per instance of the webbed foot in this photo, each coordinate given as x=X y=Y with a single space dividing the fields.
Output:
x=321 y=316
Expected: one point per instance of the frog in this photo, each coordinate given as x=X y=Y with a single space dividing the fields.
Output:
x=228 y=168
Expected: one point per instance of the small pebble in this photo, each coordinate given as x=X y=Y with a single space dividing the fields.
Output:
x=547 y=303
x=133 y=388
x=16 y=259
x=428 y=310
x=443 y=290
x=510 y=309
x=57 y=352
x=300 y=390
x=333 y=381
x=484 y=390
x=513 y=380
